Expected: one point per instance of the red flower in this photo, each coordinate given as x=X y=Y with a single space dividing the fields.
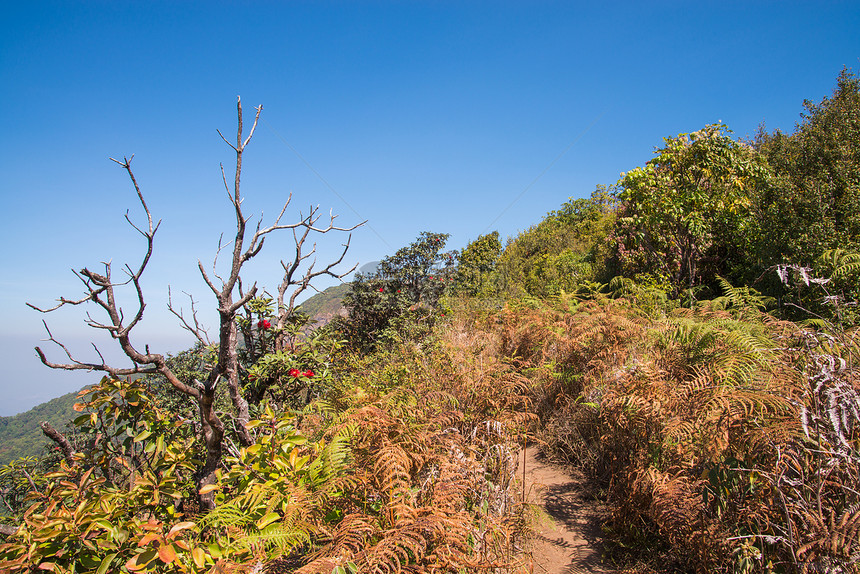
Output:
x=380 y=289
x=264 y=325
x=294 y=373
x=309 y=374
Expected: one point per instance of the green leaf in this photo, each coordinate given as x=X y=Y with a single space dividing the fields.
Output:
x=106 y=563
x=268 y=519
x=297 y=440
x=143 y=435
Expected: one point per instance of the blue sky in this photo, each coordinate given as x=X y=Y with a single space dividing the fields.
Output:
x=419 y=115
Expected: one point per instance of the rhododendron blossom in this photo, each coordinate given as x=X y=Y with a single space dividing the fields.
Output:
x=264 y=325
x=294 y=373
x=309 y=374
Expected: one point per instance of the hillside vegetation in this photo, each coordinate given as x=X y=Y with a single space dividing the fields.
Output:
x=686 y=337
x=324 y=306
x=20 y=435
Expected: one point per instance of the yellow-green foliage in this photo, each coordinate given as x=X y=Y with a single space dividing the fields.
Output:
x=567 y=251
x=116 y=505
x=389 y=479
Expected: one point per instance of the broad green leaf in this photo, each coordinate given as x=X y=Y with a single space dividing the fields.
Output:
x=297 y=440
x=143 y=435
x=106 y=563
x=268 y=519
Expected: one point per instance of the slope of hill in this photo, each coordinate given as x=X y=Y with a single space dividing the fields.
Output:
x=325 y=305
x=20 y=435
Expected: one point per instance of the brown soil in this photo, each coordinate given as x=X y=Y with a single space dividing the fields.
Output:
x=568 y=537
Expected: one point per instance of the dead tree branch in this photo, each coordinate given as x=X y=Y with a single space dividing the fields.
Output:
x=61 y=441
x=196 y=329
x=301 y=282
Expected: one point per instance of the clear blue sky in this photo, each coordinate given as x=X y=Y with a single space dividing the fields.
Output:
x=420 y=115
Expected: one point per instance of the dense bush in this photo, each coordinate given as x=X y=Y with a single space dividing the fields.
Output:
x=400 y=299
x=567 y=251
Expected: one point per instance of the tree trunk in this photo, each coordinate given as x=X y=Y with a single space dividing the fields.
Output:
x=213 y=436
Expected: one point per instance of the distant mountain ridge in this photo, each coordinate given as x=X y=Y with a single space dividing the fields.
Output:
x=325 y=305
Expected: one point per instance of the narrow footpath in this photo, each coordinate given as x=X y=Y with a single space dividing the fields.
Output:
x=568 y=537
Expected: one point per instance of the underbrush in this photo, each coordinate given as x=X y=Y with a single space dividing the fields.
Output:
x=726 y=440
x=406 y=464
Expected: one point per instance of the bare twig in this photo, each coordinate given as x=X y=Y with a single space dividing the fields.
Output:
x=196 y=329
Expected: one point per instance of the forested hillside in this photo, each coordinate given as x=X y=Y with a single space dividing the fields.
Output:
x=686 y=337
x=20 y=435
x=325 y=305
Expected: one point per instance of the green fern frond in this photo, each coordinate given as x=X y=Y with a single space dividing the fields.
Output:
x=841 y=262
x=622 y=286
x=742 y=298
x=332 y=458
x=225 y=516
x=274 y=538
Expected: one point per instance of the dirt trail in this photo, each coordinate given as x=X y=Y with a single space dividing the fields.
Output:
x=569 y=539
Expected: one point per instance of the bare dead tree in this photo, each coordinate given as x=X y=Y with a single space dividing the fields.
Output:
x=302 y=281
x=101 y=291
x=197 y=328
x=227 y=366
